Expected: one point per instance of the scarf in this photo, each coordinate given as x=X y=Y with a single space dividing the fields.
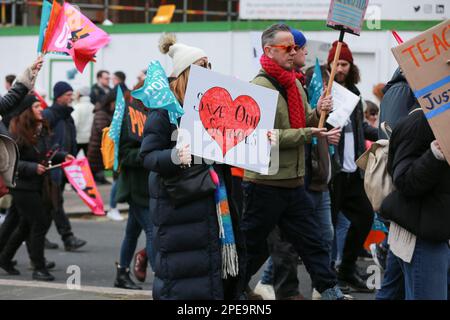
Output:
x=287 y=79
x=229 y=253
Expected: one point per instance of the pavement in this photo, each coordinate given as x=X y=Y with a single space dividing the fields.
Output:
x=89 y=273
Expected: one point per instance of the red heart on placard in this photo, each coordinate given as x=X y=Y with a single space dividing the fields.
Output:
x=228 y=121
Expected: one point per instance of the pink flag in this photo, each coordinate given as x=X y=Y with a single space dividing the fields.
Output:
x=80 y=177
x=77 y=36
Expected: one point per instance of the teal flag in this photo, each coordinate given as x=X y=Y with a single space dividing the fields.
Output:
x=116 y=125
x=315 y=86
x=45 y=15
x=156 y=93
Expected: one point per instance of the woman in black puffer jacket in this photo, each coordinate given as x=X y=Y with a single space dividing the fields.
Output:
x=32 y=135
x=186 y=238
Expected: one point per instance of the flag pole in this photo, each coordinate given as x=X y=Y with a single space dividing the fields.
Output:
x=323 y=114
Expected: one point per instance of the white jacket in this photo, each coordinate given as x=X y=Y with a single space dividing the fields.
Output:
x=83 y=116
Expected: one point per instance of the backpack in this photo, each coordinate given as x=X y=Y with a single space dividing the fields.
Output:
x=378 y=183
x=107 y=149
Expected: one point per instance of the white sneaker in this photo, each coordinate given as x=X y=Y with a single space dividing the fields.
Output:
x=316 y=295
x=114 y=215
x=265 y=290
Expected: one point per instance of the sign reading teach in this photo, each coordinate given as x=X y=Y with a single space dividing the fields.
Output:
x=226 y=120
x=425 y=61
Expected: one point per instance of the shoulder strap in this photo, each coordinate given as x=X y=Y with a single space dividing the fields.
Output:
x=275 y=83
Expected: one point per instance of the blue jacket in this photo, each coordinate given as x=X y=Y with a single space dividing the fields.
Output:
x=186 y=238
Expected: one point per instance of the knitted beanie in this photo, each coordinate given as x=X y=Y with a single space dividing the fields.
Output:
x=182 y=55
x=346 y=54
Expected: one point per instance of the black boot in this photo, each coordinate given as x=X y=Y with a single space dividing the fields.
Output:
x=72 y=243
x=50 y=245
x=351 y=278
x=124 y=281
x=9 y=268
x=42 y=275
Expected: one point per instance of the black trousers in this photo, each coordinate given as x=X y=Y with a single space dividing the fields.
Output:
x=285 y=265
x=33 y=225
x=58 y=215
x=9 y=225
x=292 y=210
x=348 y=196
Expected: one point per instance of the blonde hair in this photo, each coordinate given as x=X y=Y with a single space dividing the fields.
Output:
x=179 y=85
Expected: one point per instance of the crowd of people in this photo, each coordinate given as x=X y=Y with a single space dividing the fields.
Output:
x=209 y=242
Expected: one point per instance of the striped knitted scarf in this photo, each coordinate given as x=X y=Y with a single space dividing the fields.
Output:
x=226 y=235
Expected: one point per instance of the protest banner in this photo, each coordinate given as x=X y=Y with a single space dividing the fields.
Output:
x=79 y=175
x=226 y=120
x=66 y=31
x=425 y=62
x=136 y=122
x=345 y=16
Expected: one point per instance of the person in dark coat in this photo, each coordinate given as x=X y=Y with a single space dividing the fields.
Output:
x=188 y=262
x=347 y=186
x=103 y=114
x=420 y=204
x=63 y=138
x=32 y=134
x=101 y=88
x=398 y=101
x=132 y=188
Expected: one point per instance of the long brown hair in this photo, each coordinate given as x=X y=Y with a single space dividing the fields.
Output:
x=25 y=127
x=179 y=85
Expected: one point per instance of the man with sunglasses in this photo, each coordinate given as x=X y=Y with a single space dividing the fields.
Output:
x=280 y=199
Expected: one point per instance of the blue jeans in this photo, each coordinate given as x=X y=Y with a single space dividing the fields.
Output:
x=112 y=195
x=267 y=276
x=322 y=213
x=138 y=220
x=426 y=276
x=342 y=226
x=392 y=287
x=265 y=207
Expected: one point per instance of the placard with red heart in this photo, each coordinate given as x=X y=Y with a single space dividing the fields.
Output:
x=228 y=121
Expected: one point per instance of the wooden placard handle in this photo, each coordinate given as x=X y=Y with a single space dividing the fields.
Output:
x=323 y=115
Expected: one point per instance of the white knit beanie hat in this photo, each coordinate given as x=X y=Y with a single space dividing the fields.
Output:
x=182 y=55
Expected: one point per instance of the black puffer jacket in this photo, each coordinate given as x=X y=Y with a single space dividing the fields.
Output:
x=421 y=203
x=30 y=157
x=187 y=245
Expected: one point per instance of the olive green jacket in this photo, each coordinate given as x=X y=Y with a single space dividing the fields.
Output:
x=291 y=141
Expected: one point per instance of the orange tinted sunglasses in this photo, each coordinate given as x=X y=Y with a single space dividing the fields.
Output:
x=287 y=48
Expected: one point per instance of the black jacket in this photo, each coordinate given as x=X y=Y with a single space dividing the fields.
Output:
x=187 y=246
x=10 y=101
x=421 y=203
x=30 y=157
x=362 y=131
x=397 y=102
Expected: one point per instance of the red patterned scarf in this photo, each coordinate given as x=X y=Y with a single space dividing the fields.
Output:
x=287 y=80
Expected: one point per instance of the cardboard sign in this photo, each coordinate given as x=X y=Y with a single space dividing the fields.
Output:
x=347 y=15
x=424 y=61
x=226 y=120
x=79 y=175
x=344 y=102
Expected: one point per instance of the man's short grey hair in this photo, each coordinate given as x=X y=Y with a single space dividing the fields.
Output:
x=268 y=35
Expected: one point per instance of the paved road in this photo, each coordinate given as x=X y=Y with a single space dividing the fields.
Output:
x=96 y=262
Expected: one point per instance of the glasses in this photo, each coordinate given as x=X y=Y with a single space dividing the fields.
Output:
x=287 y=48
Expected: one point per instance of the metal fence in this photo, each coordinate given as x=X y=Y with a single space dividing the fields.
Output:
x=13 y=10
